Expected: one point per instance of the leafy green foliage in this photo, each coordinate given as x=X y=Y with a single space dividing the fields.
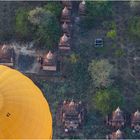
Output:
x=74 y=58
x=53 y=8
x=134 y=28
x=109 y=25
x=7 y=20
x=101 y=72
x=78 y=76
x=96 y=12
x=22 y=24
x=112 y=34
x=107 y=100
x=48 y=30
x=35 y=15
x=119 y=52
x=47 y=27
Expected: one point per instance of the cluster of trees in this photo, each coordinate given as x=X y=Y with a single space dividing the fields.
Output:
x=31 y=21
x=134 y=20
x=96 y=12
x=94 y=81
x=134 y=27
x=7 y=13
x=40 y=24
x=106 y=98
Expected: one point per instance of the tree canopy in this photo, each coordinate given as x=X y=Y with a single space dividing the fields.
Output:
x=96 y=12
x=108 y=100
x=42 y=21
x=101 y=72
x=54 y=8
x=134 y=27
x=22 y=23
x=48 y=30
x=35 y=15
x=47 y=26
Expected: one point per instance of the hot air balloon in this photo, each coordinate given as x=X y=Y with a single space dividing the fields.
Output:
x=24 y=112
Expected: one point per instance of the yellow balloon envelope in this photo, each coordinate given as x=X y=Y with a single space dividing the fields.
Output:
x=24 y=112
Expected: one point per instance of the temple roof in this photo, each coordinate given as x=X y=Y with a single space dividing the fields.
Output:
x=82 y=5
x=117 y=114
x=65 y=11
x=136 y=116
x=71 y=107
x=65 y=25
x=6 y=53
x=49 y=59
x=4 y=50
x=72 y=114
x=118 y=134
x=118 y=110
x=50 y=55
x=64 y=39
x=137 y=113
x=71 y=103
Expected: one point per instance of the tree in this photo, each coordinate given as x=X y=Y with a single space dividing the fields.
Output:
x=7 y=19
x=22 y=24
x=96 y=12
x=35 y=15
x=108 y=100
x=101 y=72
x=47 y=27
x=134 y=27
x=54 y=7
x=49 y=31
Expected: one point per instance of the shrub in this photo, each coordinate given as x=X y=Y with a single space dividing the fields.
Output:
x=112 y=34
x=119 y=52
x=74 y=58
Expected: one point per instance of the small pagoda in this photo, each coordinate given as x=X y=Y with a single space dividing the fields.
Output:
x=7 y=55
x=135 y=121
x=67 y=3
x=118 y=135
x=72 y=115
x=66 y=29
x=64 y=44
x=117 y=119
x=82 y=8
x=65 y=16
x=48 y=62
